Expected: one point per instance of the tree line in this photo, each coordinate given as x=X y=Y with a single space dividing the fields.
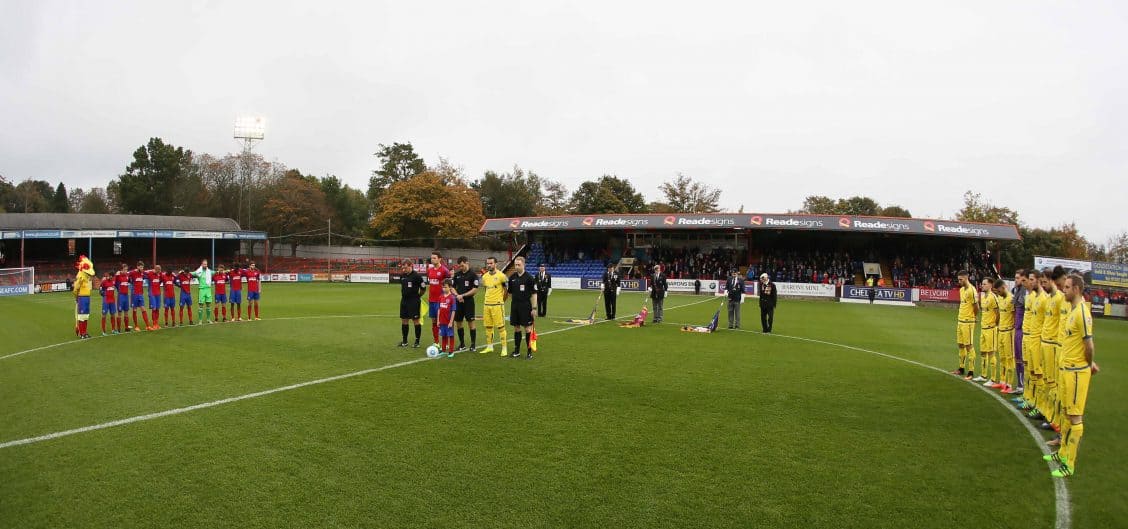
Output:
x=410 y=200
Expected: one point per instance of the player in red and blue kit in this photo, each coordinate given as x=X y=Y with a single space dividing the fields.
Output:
x=154 y=278
x=251 y=274
x=236 y=276
x=137 y=279
x=109 y=305
x=436 y=274
x=220 y=280
x=447 y=306
x=184 y=281
x=122 y=280
x=168 y=287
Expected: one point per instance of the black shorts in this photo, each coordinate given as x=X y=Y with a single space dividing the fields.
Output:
x=521 y=315
x=465 y=310
x=409 y=309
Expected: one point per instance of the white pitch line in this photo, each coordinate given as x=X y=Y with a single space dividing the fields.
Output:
x=203 y=405
x=1063 y=510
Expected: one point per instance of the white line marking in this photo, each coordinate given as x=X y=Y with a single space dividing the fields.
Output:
x=1062 y=506
x=203 y=405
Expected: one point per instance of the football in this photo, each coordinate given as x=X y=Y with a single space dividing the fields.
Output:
x=433 y=351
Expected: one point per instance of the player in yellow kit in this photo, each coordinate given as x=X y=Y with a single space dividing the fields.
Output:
x=1051 y=324
x=1077 y=369
x=965 y=326
x=493 y=310
x=1005 y=350
x=1032 y=340
x=988 y=333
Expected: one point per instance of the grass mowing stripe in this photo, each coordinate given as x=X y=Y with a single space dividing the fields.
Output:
x=203 y=405
x=68 y=342
x=1061 y=490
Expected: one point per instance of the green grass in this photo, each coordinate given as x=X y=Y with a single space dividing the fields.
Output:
x=607 y=427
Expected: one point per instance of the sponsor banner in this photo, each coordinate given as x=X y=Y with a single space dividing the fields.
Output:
x=132 y=234
x=321 y=277
x=372 y=278
x=17 y=290
x=596 y=283
x=340 y=277
x=286 y=278
x=687 y=285
x=937 y=294
x=1097 y=307
x=883 y=294
x=1042 y=262
x=810 y=290
x=757 y=221
x=51 y=287
x=566 y=283
x=1116 y=310
x=86 y=234
x=304 y=278
x=1110 y=274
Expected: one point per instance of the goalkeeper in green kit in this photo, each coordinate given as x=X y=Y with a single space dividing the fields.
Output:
x=203 y=274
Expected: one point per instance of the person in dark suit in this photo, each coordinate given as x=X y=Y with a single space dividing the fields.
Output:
x=767 y=302
x=658 y=289
x=544 y=286
x=610 y=290
x=735 y=290
x=697 y=287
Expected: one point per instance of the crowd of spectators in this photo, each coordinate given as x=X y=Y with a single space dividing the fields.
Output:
x=680 y=263
x=938 y=270
x=793 y=266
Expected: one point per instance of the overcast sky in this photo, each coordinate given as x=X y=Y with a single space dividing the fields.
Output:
x=770 y=101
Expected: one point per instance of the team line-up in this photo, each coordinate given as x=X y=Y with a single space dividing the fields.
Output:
x=123 y=294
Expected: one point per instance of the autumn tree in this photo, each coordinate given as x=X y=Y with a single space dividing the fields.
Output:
x=855 y=205
x=398 y=162
x=554 y=198
x=684 y=195
x=294 y=205
x=31 y=196
x=976 y=209
x=150 y=182
x=429 y=206
x=1116 y=250
x=609 y=194
x=513 y=194
x=94 y=201
x=60 y=202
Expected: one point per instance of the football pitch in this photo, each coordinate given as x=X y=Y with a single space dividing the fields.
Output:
x=313 y=417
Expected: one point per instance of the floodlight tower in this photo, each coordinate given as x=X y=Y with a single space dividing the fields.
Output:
x=249 y=130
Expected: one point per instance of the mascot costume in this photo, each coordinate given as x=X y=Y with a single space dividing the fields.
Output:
x=83 y=281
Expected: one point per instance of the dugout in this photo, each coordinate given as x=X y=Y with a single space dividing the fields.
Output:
x=50 y=241
x=578 y=244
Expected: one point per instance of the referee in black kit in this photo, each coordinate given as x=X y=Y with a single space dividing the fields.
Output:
x=466 y=284
x=523 y=291
x=610 y=290
x=412 y=286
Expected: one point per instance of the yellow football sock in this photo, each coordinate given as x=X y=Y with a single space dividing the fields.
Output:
x=503 y=335
x=963 y=358
x=489 y=337
x=994 y=367
x=1070 y=439
x=971 y=358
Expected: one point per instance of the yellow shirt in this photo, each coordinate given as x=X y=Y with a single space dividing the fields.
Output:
x=494 y=283
x=81 y=284
x=968 y=299
x=1051 y=316
x=1063 y=313
x=1006 y=312
x=1031 y=325
x=990 y=311
x=1078 y=326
